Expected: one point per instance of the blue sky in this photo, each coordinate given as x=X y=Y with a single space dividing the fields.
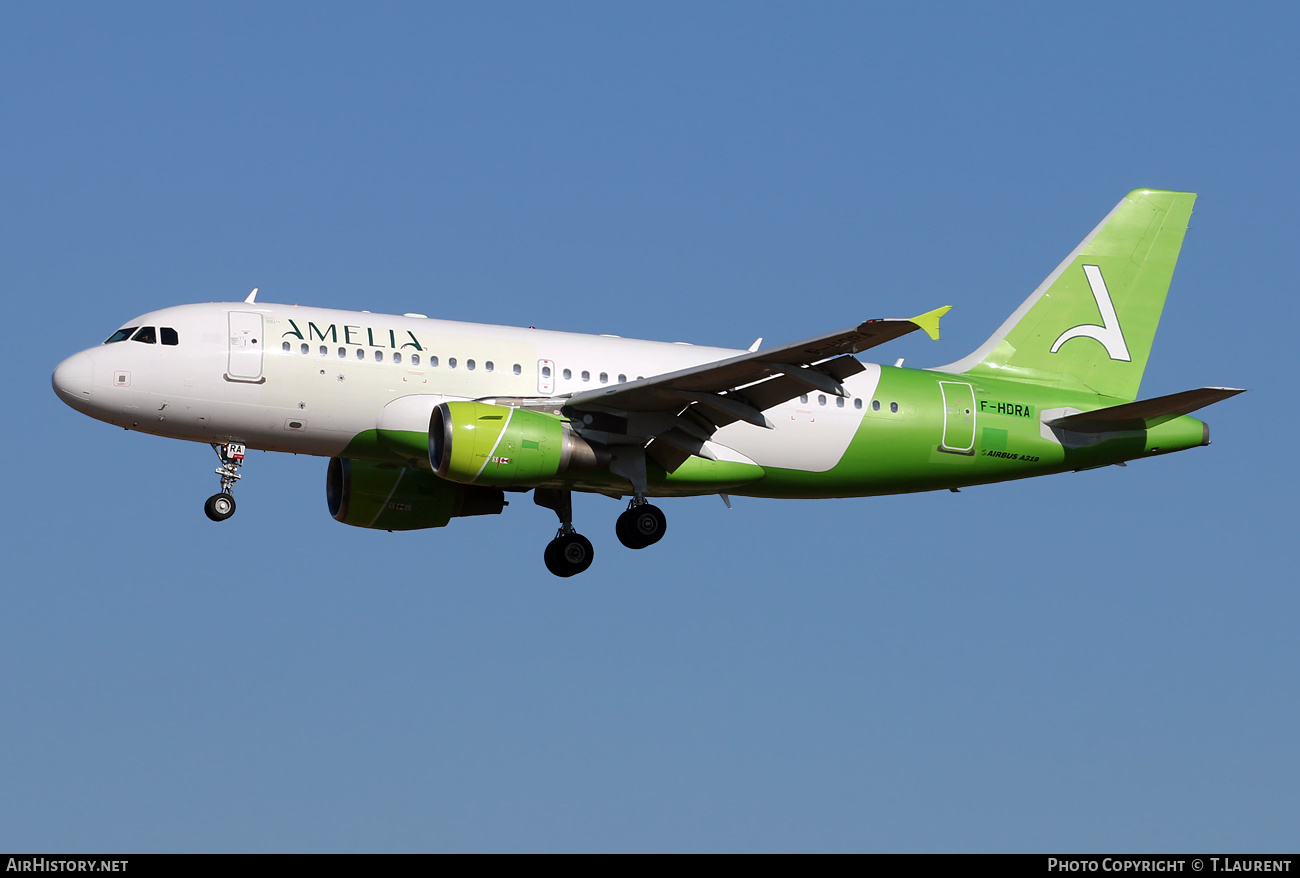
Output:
x=1096 y=661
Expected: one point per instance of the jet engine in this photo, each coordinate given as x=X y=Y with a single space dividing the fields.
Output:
x=387 y=496
x=486 y=444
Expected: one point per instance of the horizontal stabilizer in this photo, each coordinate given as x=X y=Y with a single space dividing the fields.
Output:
x=1145 y=413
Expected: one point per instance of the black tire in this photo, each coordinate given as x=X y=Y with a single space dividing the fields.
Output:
x=219 y=506
x=568 y=555
x=641 y=526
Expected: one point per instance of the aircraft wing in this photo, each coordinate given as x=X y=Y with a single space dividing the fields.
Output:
x=699 y=400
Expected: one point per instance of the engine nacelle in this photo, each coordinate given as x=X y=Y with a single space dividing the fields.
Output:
x=485 y=444
x=386 y=496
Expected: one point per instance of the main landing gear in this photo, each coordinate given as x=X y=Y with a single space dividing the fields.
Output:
x=570 y=553
x=221 y=506
x=640 y=525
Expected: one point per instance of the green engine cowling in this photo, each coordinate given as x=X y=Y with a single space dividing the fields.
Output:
x=387 y=496
x=485 y=444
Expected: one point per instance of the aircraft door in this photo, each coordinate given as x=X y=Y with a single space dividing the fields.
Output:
x=545 y=377
x=246 y=344
x=958 y=417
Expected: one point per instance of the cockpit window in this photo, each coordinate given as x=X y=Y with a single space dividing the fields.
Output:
x=169 y=336
x=121 y=335
x=146 y=334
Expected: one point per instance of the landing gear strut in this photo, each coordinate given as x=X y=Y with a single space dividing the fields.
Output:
x=641 y=525
x=221 y=506
x=570 y=552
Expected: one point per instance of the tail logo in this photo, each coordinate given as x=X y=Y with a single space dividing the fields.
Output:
x=1109 y=333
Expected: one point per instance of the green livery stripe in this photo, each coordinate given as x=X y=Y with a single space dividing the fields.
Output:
x=927 y=444
x=405 y=444
x=713 y=474
x=947 y=433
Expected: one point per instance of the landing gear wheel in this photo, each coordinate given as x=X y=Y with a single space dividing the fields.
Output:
x=219 y=506
x=568 y=554
x=641 y=526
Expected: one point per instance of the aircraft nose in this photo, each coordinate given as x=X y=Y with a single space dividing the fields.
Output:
x=71 y=379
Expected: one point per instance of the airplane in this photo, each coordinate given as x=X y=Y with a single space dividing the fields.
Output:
x=426 y=420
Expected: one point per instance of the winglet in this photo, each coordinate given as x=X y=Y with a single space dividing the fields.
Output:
x=252 y=297
x=929 y=321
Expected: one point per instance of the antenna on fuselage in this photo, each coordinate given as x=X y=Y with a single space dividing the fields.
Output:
x=252 y=297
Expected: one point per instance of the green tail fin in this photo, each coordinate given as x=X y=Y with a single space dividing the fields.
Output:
x=1090 y=325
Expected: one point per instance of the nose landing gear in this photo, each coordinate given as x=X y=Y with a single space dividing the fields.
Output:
x=221 y=506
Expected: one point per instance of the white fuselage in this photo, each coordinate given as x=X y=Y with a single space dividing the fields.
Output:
x=310 y=380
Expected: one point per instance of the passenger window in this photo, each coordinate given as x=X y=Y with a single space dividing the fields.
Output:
x=169 y=336
x=433 y=361
x=893 y=407
x=121 y=335
x=803 y=397
x=568 y=373
x=146 y=335
x=451 y=362
x=519 y=370
x=306 y=348
x=397 y=357
x=839 y=402
x=361 y=355
x=469 y=364
x=875 y=405
x=379 y=356
x=546 y=371
x=622 y=379
x=343 y=352
x=488 y=366
x=285 y=347
x=821 y=399
x=857 y=403
x=586 y=376
x=415 y=360
x=324 y=351
x=604 y=377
